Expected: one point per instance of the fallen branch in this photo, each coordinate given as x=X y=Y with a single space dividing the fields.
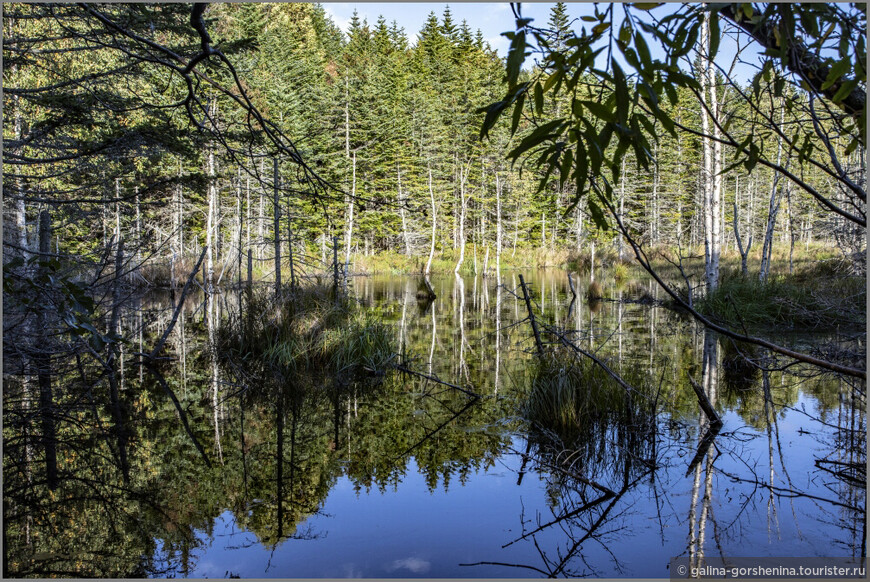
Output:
x=706 y=406
x=407 y=370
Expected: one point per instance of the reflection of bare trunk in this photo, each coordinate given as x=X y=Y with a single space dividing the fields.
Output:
x=114 y=394
x=694 y=558
x=707 y=431
x=215 y=380
x=279 y=460
x=497 y=333
x=460 y=289
x=769 y=420
x=432 y=348
x=403 y=329
x=711 y=366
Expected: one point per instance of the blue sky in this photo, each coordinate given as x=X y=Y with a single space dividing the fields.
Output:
x=491 y=18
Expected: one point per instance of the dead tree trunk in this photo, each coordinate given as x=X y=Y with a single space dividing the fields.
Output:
x=276 y=212
x=43 y=367
x=538 y=344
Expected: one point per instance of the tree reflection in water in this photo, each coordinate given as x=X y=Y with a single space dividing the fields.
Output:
x=282 y=443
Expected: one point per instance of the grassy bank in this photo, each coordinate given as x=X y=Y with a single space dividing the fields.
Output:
x=816 y=296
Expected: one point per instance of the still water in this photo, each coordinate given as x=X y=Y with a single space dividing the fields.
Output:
x=413 y=478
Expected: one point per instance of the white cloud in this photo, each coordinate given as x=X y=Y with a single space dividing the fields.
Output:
x=342 y=23
x=415 y=565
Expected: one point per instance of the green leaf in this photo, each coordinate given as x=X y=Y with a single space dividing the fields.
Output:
x=566 y=165
x=551 y=80
x=620 y=90
x=599 y=28
x=839 y=69
x=715 y=35
x=631 y=57
x=13 y=264
x=539 y=99
x=599 y=110
x=597 y=215
x=516 y=56
x=809 y=22
x=541 y=134
x=642 y=50
x=624 y=33
x=518 y=111
x=493 y=112
x=647 y=5
x=844 y=90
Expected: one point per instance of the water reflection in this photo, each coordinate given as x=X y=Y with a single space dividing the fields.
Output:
x=414 y=478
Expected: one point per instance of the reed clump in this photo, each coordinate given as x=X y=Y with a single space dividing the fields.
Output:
x=306 y=339
x=577 y=411
x=594 y=292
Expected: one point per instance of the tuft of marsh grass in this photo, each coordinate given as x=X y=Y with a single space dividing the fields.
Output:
x=594 y=292
x=307 y=339
x=810 y=299
x=578 y=411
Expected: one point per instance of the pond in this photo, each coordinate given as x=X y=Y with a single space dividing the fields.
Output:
x=411 y=477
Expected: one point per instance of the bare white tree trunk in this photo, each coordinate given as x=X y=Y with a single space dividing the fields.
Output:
x=261 y=219
x=773 y=207
x=622 y=179
x=654 y=227
x=138 y=227
x=434 y=224
x=20 y=207
x=117 y=209
x=712 y=168
x=463 y=210
x=348 y=234
x=209 y=226
x=402 y=212
x=248 y=213
x=498 y=231
x=347 y=114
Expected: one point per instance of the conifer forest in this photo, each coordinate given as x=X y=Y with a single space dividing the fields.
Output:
x=288 y=297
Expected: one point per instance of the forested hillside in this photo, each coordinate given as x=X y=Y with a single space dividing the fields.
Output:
x=376 y=141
